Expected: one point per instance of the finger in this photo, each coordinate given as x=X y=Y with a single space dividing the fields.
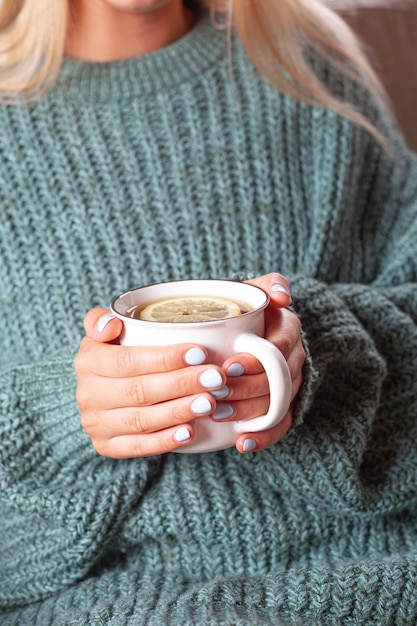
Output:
x=243 y=387
x=276 y=286
x=101 y=325
x=117 y=361
x=139 y=420
x=134 y=446
x=257 y=385
x=283 y=329
x=253 y=442
x=248 y=365
x=147 y=389
x=241 y=364
x=295 y=365
x=241 y=410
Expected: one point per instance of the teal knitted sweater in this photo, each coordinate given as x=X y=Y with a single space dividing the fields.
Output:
x=181 y=164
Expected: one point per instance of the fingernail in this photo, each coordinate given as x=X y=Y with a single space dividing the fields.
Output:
x=195 y=356
x=223 y=411
x=201 y=406
x=281 y=289
x=249 y=445
x=219 y=394
x=182 y=434
x=103 y=321
x=236 y=369
x=211 y=378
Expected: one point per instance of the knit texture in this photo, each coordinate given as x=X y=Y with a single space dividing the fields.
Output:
x=181 y=164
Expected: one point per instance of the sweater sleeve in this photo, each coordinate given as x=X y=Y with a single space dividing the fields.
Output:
x=55 y=518
x=361 y=330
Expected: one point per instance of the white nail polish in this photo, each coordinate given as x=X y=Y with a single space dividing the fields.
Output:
x=219 y=394
x=211 y=379
x=234 y=370
x=182 y=434
x=281 y=289
x=103 y=321
x=249 y=445
x=195 y=356
x=223 y=411
x=201 y=406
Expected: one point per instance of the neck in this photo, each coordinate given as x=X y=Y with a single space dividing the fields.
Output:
x=100 y=32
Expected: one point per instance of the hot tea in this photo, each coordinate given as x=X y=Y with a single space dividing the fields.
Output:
x=186 y=309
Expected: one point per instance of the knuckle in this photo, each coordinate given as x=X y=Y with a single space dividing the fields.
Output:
x=84 y=357
x=127 y=362
x=89 y=421
x=182 y=383
x=285 y=346
x=165 y=359
x=101 y=446
x=80 y=362
x=84 y=420
x=136 y=392
x=82 y=397
x=303 y=355
x=178 y=415
x=139 y=422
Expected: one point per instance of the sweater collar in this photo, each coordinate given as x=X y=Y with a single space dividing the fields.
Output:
x=203 y=46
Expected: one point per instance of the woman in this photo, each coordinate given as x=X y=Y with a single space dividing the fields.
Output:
x=140 y=144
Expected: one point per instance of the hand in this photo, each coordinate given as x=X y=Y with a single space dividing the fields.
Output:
x=247 y=384
x=138 y=401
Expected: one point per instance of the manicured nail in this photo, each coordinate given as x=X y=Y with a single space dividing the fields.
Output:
x=182 y=434
x=223 y=411
x=103 y=321
x=201 y=406
x=249 y=445
x=281 y=289
x=219 y=394
x=195 y=356
x=211 y=379
x=235 y=369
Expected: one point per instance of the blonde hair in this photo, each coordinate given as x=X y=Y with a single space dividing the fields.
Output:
x=275 y=33
x=32 y=40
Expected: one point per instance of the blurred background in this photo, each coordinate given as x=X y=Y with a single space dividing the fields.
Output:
x=388 y=29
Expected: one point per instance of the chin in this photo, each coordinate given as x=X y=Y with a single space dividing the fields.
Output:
x=138 y=6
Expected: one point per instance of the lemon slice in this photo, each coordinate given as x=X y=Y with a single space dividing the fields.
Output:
x=190 y=309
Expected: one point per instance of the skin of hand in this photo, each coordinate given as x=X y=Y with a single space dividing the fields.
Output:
x=138 y=401
x=283 y=329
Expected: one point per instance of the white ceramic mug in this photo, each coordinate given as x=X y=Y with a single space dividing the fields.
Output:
x=222 y=338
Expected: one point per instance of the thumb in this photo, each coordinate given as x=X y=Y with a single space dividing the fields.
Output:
x=102 y=326
x=277 y=287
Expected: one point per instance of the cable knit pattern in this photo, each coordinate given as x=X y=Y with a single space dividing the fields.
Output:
x=181 y=164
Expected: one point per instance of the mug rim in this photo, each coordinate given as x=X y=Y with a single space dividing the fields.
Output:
x=228 y=320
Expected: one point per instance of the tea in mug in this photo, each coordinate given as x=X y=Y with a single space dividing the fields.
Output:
x=186 y=309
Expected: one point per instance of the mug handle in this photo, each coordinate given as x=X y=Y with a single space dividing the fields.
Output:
x=279 y=379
